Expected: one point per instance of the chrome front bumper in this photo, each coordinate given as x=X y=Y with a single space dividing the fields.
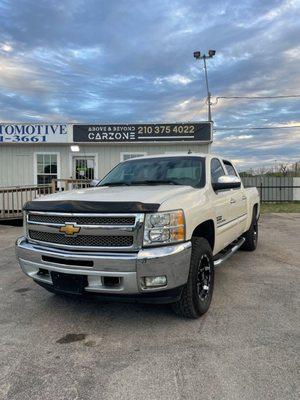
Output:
x=172 y=261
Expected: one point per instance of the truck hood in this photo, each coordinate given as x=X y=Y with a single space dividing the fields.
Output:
x=116 y=194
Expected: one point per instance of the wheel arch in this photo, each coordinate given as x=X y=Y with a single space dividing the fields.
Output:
x=255 y=210
x=206 y=230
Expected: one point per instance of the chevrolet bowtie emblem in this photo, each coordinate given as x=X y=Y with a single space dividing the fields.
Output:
x=69 y=229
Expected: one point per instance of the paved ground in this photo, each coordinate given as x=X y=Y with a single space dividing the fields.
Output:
x=244 y=348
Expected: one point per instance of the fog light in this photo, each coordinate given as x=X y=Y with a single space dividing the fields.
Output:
x=154 y=281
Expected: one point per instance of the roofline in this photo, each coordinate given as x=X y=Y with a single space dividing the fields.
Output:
x=166 y=155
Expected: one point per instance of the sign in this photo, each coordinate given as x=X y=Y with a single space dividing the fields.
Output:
x=196 y=132
x=33 y=133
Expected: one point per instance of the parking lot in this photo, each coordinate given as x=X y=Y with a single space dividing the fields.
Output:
x=245 y=347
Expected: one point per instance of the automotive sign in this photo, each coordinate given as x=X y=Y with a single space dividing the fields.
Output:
x=33 y=133
x=199 y=132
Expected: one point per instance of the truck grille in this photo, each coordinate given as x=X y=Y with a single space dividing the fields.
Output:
x=94 y=232
x=83 y=240
x=61 y=219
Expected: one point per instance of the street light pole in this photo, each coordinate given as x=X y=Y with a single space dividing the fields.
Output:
x=198 y=56
x=207 y=90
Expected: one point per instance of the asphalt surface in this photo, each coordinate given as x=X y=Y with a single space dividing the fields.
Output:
x=245 y=347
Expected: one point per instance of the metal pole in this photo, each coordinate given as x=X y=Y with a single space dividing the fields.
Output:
x=207 y=89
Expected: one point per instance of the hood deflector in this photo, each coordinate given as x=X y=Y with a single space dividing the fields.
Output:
x=70 y=206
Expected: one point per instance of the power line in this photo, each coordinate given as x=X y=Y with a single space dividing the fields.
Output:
x=288 y=96
x=237 y=128
x=260 y=97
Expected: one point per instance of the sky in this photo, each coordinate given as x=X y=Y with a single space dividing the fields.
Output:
x=132 y=61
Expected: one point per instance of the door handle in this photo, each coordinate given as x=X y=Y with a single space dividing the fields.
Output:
x=232 y=201
x=244 y=197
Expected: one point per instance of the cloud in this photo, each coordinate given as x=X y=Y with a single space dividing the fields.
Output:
x=120 y=61
x=175 y=79
x=6 y=47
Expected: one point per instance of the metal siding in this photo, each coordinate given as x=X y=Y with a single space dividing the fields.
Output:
x=15 y=166
x=17 y=162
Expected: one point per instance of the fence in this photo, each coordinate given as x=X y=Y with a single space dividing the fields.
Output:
x=274 y=189
x=60 y=185
x=12 y=199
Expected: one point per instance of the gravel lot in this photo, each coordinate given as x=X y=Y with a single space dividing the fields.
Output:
x=245 y=347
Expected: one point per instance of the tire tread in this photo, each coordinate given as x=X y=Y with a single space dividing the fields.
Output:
x=185 y=307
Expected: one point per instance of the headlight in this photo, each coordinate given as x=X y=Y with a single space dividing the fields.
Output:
x=164 y=228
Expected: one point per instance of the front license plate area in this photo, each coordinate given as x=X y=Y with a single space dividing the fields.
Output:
x=69 y=283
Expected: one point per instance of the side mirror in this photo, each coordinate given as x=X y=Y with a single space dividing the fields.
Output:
x=227 y=182
x=95 y=182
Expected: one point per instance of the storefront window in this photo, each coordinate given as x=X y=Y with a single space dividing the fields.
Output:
x=46 y=168
x=84 y=167
x=128 y=156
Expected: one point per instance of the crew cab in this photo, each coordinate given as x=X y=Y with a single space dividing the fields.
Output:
x=153 y=230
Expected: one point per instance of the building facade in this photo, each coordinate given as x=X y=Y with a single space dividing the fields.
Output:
x=32 y=154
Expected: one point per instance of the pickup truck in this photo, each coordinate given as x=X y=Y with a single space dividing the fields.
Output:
x=152 y=230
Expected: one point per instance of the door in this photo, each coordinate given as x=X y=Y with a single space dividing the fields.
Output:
x=224 y=209
x=239 y=200
x=84 y=167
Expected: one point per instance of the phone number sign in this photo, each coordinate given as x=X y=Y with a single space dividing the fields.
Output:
x=199 y=132
x=33 y=133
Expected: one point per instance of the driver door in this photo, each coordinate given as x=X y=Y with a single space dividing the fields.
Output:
x=223 y=207
x=240 y=205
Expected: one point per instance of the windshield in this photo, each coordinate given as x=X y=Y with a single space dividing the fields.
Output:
x=188 y=171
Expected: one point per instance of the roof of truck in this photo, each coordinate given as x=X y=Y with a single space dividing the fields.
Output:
x=177 y=154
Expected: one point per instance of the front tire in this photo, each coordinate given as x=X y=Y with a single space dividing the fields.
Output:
x=197 y=293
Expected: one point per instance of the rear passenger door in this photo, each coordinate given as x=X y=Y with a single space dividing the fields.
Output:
x=238 y=200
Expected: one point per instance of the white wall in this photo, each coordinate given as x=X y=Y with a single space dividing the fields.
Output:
x=17 y=162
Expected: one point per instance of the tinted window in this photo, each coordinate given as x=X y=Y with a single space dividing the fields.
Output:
x=229 y=168
x=216 y=170
x=188 y=171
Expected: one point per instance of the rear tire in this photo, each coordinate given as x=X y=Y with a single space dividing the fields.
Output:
x=251 y=235
x=197 y=293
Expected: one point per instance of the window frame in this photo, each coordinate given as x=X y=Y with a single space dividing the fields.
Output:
x=35 y=169
x=83 y=154
x=226 y=162
x=221 y=163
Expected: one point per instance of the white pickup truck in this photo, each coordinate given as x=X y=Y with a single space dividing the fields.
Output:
x=153 y=230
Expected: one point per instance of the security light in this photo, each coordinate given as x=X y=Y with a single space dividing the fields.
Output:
x=211 y=53
x=197 y=54
x=75 y=148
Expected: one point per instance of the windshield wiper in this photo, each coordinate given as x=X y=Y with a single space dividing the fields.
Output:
x=116 y=184
x=155 y=182
x=145 y=182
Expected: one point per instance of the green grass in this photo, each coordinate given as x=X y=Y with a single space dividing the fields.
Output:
x=291 y=207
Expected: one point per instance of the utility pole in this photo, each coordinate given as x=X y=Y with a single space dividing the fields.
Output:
x=204 y=57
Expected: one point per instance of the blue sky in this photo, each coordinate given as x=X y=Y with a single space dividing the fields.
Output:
x=132 y=61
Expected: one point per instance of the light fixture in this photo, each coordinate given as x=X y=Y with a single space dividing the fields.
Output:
x=75 y=148
x=197 y=54
x=211 y=53
x=154 y=281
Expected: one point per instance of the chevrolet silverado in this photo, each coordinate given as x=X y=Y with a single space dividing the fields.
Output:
x=153 y=230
